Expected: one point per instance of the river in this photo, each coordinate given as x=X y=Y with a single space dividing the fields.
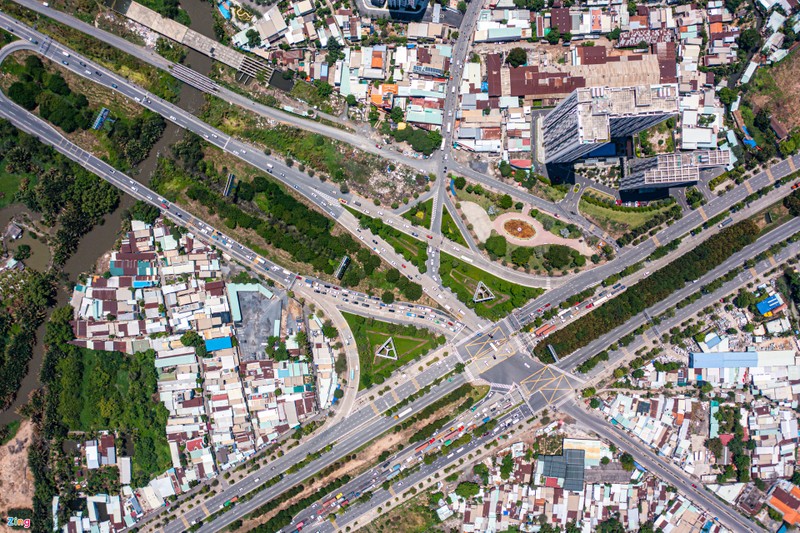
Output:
x=103 y=236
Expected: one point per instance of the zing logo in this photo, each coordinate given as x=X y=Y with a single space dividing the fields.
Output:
x=24 y=523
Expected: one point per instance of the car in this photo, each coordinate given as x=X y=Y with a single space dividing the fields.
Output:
x=113 y=85
x=694 y=486
x=65 y=62
x=430 y=237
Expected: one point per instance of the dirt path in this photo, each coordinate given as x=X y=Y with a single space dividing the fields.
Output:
x=541 y=237
x=16 y=479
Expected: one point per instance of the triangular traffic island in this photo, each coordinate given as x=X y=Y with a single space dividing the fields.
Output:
x=482 y=293
x=387 y=350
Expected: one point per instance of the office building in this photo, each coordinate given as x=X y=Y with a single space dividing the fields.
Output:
x=591 y=117
x=669 y=170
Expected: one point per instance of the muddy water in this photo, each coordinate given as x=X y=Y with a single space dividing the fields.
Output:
x=103 y=236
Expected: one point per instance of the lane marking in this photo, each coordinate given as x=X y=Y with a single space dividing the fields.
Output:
x=395 y=396
x=392 y=492
x=791 y=164
x=748 y=187
x=374 y=408
x=185 y=522
x=702 y=213
x=769 y=174
x=772 y=261
x=656 y=241
x=753 y=272
x=414 y=381
x=205 y=509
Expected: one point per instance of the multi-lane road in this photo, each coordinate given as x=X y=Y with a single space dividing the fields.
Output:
x=473 y=347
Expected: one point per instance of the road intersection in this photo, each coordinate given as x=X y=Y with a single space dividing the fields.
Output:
x=492 y=351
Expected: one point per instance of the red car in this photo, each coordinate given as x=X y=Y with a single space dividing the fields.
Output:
x=403 y=265
x=548 y=305
x=430 y=236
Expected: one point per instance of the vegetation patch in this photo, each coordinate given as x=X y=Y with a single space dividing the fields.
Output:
x=420 y=214
x=369 y=334
x=650 y=290
x=626 y=223
x=463 y=278
x=450 y=229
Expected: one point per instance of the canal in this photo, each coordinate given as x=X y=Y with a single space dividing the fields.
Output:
x=103 y=236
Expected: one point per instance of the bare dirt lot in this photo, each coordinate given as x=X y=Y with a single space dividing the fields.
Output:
x=16 y=479
x=775 y=89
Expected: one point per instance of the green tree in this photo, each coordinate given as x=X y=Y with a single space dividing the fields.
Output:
x=387 y=297
x=397 y=114
x=462 y=6
x=517 y=57
x=253 y=38
x=505 y=202
x=626 y=460
x=749 y=40
x=460 y=182
x=351 y=100
x=496 y=245
x=22 y=252
x=467 y=489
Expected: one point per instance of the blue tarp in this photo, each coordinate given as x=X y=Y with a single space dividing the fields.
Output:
x=220 y=343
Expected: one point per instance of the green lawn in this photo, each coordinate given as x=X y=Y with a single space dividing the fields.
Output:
x=450 y=229
x=369 y=334
x=420 y=214
x=617 y=222
x=462 y=278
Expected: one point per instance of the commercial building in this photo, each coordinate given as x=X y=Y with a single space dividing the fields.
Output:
x=591 y=117
x=670 y=170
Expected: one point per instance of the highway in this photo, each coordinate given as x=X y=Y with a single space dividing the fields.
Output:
x=601 y=343
x=324 y=196
x=745 y=277
x=207 y=85
x=374 y=478
x=661 y=467
x=367 y=416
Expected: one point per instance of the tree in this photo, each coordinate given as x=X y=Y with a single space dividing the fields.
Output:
x=505 y=202
x=253 y=38
x=626 y=460
x=22 y=253
x=329 y=331
x=387 y=297
x=517 y=57
x=324 y=89
x=460 y=182
x=727 y=96
x=506 y=466
x=553 y=36
x=792 y=203
x=594 y=403
x=397 y=114
x=351 y=100
x=338 y=394
x=749 y=40
x=24 y=94
x=462 y=6
x=558 y=256
x=605 y=461
x=496 y=245
x=467 y=489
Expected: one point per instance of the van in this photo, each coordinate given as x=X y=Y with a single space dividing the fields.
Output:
x=66 y=54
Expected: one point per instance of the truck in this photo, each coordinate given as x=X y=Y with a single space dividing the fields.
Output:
x=392 y=475
x=412 y=315
x=403 y=413
x=485 y=420
x=540 y=331
x=545 y=330
x=231 y=501
x=726 y=222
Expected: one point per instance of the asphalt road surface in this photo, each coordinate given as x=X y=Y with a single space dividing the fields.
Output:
x=662 y=468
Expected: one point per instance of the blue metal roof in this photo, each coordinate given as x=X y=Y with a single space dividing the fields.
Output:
x=220 y=343
x=723 y=360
